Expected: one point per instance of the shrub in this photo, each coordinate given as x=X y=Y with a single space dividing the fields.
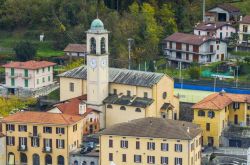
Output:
x=25 y=51
x=194 y=72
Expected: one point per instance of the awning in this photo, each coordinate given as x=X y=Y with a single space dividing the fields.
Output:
x=167 y=106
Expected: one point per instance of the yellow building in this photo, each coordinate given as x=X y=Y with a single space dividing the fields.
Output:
x=120 y=94
x=151 y=141
x=217 y=111
x=41 y=137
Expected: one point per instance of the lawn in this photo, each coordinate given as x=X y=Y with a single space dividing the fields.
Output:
x=240 y=53
x=9 y=39
x=244 y=6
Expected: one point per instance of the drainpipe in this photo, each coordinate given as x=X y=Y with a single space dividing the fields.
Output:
x=189 y=152
x=68 y=143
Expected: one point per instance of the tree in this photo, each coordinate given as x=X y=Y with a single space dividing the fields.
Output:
x=25 y=51
x=166 y=19
x=194 y=72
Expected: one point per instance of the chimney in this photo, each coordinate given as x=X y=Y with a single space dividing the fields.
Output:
x=188 y=130
x=222 y=92
x=82 y=108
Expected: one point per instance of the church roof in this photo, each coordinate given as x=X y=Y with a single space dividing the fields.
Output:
x=128 y=101
x=119 y=76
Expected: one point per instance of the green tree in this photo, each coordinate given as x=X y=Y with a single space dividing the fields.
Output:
x=166 y=19
x=194 y=72
x=24 y=51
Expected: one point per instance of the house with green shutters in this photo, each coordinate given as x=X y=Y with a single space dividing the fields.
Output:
x=27 y=76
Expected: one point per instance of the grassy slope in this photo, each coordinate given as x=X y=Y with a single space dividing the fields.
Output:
x=244 y=6
x=8 y=41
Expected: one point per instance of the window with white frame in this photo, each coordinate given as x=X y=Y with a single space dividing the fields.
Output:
x=164 y=160
x=151 y=146
x=164 y=146
x=151 y=160
x=60 y=143
x=124 y=144
x=178 y=161
x=178 y=147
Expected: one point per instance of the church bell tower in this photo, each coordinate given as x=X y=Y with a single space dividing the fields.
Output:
x=97 y=67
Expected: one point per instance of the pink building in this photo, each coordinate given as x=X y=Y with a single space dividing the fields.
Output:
x=29 y=75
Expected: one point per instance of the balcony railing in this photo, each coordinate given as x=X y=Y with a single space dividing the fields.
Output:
x=22 y=148
x=38 y=135
x=191 y=52
x=12 y=75
x=24 y=76
x=47 y=150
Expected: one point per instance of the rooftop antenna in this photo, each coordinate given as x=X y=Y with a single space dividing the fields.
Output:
x=204 y=9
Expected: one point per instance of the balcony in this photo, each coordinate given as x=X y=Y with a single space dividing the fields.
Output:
x=25 y=76
x=47 y=150
x=191 y=52
x=22 y=148
x=12 y=75
x=37 y=135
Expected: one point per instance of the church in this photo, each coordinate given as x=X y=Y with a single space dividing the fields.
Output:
x=120 y=95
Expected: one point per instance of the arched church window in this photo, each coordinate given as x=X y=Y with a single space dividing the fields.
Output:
x=93 y=46
x=103 y=46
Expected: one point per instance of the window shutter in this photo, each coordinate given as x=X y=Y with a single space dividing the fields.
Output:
x=25 y=128
x=19 y=128
x=153 y=146
x=44 y=143
x=121 y=144
x=43 y=129
x=50 y=142
x=62 y=130
x=7 y=127
x=25 y=141
x=57 y=143
x=126 y=143
x=38 y=142
x=13 y=127
x=56 y=130
x=31 y=141
x=181 y=148
x=7 y=140
x=13 y=140
x=62 y=143
x=19 y=141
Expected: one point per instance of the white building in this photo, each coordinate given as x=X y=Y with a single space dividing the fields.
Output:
x=221 y=30
x=223 y=12
x=188 y=48
x=28 y=76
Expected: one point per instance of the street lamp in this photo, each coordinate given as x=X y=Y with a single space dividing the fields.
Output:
x=130 y=40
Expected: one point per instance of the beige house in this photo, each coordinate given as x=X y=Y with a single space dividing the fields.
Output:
x=119 y=94
x=151 y=141
x=41 y=137
x=244 y=32
x=2 y=148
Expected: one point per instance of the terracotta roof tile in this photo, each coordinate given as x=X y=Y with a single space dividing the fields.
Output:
x=71 y=106
x=218 y=101
x=42 y=118
x=81 y=48
x=228 y=7
x=246 y=19
x=211 y=26
x=155 y=128
x=29 y=64
x=187 y=38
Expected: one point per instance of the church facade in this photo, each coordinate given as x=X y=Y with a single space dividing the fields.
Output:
x=120 y=95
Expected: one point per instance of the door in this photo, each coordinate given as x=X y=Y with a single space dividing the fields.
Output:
x=222 y=57
x=195 y=58
x=220 y=35
x=210 y=141
x=235 y=119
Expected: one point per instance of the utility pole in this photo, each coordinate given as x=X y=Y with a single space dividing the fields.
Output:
x=215 y=83
x=237 y=76
x=204 y=10
x=130 y=40
x=180 y=67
